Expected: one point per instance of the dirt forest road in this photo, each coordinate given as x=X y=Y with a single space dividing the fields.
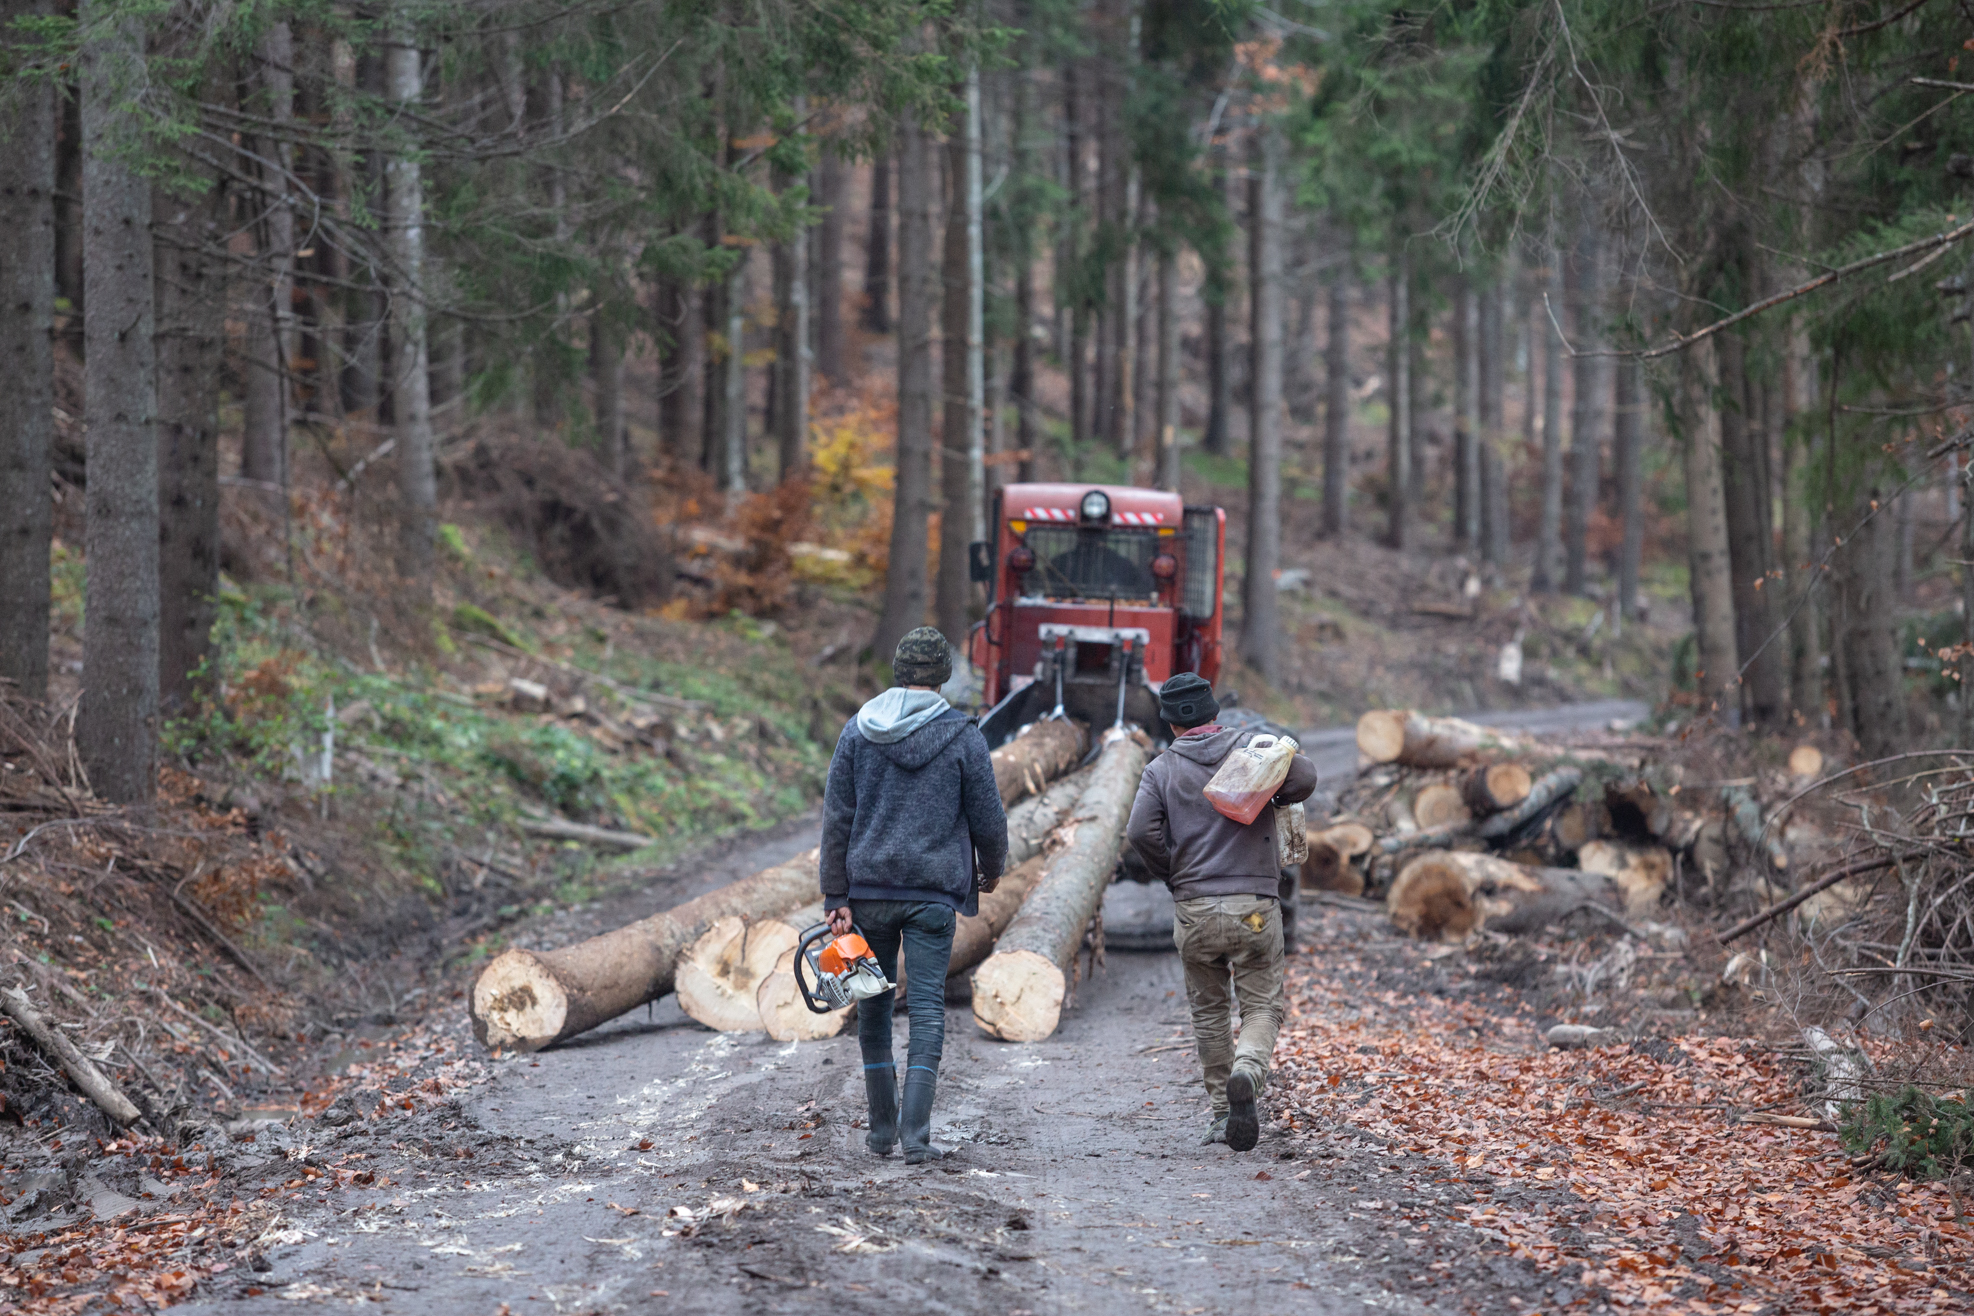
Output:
x=653 y=1166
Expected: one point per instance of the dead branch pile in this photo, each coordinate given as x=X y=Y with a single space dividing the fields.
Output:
x=1459 y=827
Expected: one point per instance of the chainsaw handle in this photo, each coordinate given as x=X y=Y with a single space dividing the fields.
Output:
x=820 y=932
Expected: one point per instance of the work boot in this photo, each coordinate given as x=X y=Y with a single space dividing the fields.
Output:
x=1215 y=1132
x=920 y=1083
x=881 y=1087
x=1243 y=1116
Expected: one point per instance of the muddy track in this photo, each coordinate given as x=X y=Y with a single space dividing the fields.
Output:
x=652 y=1165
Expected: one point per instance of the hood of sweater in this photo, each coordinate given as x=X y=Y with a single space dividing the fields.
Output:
x=1209 y=749
x=910 y=726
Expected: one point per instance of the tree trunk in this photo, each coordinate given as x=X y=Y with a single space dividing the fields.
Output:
x=1439 y=804
x=1805 y=596
x=733 y=397
x=1448 y=895
x=531 y=999
x=1169 y=473
x=1716 y=671
x=1260 y=626
x=1628 y=444
x=1864 y=568
x=116 y=729
x=794 y=355
x=1329 y=866
x=1041 y=753
x=1745 y=489
x=1493 y=436
x=904 y=582
x=1145 y=416
x=1219 y=392
x=1018 y=992
x=962 y=436
x=1467 y=421
x=1549 y=535
x=27 y=291
x=189 y=301
x=1396 y=735
x=264 y=439
x=826 y=268
x=606 y=369
x=1336 y=410
x=1495 y=787
x=411 y=398
x=974 y=936
x=877 y=250
x=1586 y=409
x=1021 y=381
x=1398 y=447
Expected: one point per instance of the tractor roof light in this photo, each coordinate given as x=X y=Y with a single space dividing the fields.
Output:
x=1096 y=506
x=1021 y=559
x=1164 y=566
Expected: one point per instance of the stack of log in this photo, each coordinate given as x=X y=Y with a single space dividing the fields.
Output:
x=730 y=954
x=1461 y=827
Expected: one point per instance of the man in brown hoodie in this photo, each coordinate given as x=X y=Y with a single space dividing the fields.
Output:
x=1225 y=889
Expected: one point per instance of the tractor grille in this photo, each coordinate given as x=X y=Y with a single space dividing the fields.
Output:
x=1090 y=564
x=1202 y=565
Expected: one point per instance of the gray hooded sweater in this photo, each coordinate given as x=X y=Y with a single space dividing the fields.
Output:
x=1190 y=845
x=911 y=811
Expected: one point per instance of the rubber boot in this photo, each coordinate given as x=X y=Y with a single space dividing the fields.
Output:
x=881 y=1087
x=920 y=1084
x=1243 y=1115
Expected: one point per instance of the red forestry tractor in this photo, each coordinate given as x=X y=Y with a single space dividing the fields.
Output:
x=1096 y=594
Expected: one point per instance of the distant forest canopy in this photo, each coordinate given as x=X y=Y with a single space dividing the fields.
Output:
x=355 y=232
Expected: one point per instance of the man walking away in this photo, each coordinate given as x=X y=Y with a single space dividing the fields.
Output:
x=913 y=832
x=1225 y=890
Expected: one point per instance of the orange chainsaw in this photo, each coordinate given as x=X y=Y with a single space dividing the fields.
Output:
x=841 y=972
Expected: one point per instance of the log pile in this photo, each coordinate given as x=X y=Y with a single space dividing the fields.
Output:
x=1459 y=827
x=730 y=953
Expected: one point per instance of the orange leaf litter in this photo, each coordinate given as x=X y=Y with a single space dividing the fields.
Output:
x=1783 y=1222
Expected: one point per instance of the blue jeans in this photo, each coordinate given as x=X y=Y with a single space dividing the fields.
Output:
x=925 y=930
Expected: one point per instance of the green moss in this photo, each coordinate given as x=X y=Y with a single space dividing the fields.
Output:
x=470 y=620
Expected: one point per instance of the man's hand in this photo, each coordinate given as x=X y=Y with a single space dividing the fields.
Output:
x=987 y=884
x=839 y=921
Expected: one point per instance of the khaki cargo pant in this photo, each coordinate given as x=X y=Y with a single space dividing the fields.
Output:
x=1231 y=947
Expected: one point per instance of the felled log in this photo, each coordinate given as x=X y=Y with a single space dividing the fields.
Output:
x=1641 y=872
x=1329 y=866
x=1449 y=894
x=974 y=935
x=1031 y=821
x=55 y=1044
x=1041 y=753
x=1495 y=787
x=1747 y=815
x=1018 y=990
x=1577 y=824
x=778 y=1001
x=721 y=973
x=1439 y=804
x=1806 y=761
x=1399 y=735
x=560 y=830
x=1549 y=788
x=530 y=999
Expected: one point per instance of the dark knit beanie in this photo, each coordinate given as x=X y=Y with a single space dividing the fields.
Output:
x=1186 y=700
x=923 y=658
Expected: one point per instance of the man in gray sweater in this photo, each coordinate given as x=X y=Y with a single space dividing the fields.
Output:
x=1226 y=895
x=913 y=832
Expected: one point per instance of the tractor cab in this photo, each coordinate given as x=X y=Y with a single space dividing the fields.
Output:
x=1096 y=595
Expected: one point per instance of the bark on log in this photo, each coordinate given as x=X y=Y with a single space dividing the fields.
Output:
x=55 y=1043
x=1398 y=735
x=1041 y=753
x=1496 y=787
x=1329 y=866
x=721 y=973
x=1031 y=821
x=975 y=935
x=557 y=829
x=531 y=999
x=1018 y=991
x=1439 y=804
x=1450 y=894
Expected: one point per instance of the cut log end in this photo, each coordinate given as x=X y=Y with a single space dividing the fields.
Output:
x=518 y=1003
x=1381 y=734
x=1017 y=996
x=1329 y=866
x=1641 y=873
x=1439 y=804
x=783 y=1012
x=1496 y=787
x=1430 y=901
x=720 y=976
x=1806 y=761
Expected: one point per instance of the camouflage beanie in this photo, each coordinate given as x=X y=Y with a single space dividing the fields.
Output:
x=923 y=658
